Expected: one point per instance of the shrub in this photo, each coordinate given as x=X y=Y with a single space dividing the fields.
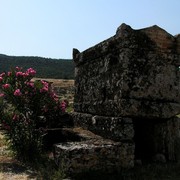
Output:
x=27 y=109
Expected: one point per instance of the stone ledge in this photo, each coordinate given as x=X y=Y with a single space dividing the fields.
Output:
x=57 y=135
x=115 y=128
x=104 y=155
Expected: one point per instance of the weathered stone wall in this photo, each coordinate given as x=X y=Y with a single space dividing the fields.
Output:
x=134 y=73
x=127 y=92
x=178 y=46
x=127 y=88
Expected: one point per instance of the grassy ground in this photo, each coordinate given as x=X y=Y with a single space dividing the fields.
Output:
x=11 y=168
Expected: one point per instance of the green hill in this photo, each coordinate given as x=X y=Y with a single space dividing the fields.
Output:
x=45 y=67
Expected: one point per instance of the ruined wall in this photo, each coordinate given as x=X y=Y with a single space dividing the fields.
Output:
x=134 y=73
x=127 y=92
x=127 y=88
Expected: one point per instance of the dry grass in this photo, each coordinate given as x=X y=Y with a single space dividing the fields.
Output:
x=10 y=168
x=2 y=142
x=59 y=82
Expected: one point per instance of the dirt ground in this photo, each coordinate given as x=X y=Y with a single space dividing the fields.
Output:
x=11 y=169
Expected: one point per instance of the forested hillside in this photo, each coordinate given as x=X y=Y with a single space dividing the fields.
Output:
x=45 y=67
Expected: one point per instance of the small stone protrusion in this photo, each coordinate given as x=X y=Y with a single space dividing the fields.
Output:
x=123 y=30
x=178 y=44
x=75 y=53
x=159 y=158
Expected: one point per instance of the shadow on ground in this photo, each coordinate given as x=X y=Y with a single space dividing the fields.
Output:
x=11 y=167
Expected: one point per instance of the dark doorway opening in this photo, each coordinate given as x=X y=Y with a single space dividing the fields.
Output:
x=144 y=139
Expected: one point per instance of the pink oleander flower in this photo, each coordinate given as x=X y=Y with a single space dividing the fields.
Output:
x=19 y=74
x=18 y=68
x=63 y=106
x=9 y=73
x=2 y=74
x=15 y=117
x=31 y=71
x=1 y=79
x=6 y=86
x=2 y=95
x=25 y=74
x=17 y=92
x=44 y=89
x=46 y=84
x=54 y=96
x=30 y=83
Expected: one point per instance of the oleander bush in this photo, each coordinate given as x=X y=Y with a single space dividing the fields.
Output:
x=27 y=109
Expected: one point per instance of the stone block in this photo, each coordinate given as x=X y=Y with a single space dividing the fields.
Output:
x=103 y=155
x=115 y=128
x=133 y=73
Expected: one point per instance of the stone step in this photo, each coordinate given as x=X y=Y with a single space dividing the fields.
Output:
x=94 y=153
x=56 y=135
x=115 y=128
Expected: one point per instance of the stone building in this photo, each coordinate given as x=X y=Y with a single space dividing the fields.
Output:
x=127 y=89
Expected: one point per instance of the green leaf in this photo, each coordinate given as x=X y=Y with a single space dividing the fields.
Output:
x=38 y=84
x=178 y=115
